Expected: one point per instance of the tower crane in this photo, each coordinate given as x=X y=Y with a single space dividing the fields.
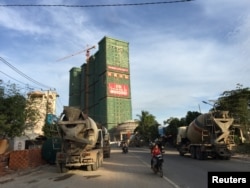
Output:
x=86 y=50
x=86 y=75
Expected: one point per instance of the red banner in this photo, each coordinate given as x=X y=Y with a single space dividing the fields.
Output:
x=118 y=89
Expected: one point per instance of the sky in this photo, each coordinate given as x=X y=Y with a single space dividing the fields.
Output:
x=180 y=53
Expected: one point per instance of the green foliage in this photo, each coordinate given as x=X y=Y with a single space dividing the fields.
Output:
x=147 y=126
x=237 y=102
x=50 y=130
x=191 y=116
x=237 y=140
x=13 y=112
x=174 y=123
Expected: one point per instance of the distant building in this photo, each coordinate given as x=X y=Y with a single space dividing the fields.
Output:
x=101 y=86
x=125 y=130
x=45 y=103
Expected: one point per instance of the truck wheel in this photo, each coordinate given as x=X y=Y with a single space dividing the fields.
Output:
x=227 y=158
x=94 y=166
x=199 y=153
x=89 y=168
x=204 y=155
x=193 y=152
x=108 y=155
x=224 y=157
x=181 y=153
x=100 y=161
x=61 y=168
x=96 y=163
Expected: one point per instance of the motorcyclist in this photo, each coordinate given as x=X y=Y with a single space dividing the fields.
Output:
x=125 y=147
x=154 y=152
x=159 y=143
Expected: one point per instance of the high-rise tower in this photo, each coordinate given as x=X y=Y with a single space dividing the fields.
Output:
x=103 y=84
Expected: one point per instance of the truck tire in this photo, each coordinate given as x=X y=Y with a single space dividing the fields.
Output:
x=89 y=168
x=107 y=155
x=101 y=161
x=96 y=163
x=193 y=152
x=94 y=166
x=181 y=153
x=61 y=168
x=198 y=152
x=224 y=157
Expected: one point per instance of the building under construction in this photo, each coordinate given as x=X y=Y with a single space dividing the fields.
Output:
x=101 y=86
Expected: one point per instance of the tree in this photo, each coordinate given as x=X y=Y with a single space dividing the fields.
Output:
x=174 y=123
x=50 y=128
x=191 y=116
x=237 y=102
x=147 y=126
x=13 y=112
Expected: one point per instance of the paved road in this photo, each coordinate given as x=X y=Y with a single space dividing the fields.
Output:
x=120 y=170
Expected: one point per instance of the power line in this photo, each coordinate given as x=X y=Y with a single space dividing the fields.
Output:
x=97 y=5
x=22 y=74
x=17 y=80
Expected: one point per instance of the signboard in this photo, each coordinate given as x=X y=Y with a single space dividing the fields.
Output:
x=114 y=68
x=115 y=89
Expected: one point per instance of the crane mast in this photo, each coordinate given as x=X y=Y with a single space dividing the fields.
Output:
x=86 y=75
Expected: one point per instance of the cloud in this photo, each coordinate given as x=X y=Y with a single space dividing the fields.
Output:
x=15 y=21
x=180 y=54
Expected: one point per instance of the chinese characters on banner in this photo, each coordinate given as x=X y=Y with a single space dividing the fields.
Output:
x=121 y=90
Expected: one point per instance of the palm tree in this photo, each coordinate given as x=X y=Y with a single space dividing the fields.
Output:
x=147 y=128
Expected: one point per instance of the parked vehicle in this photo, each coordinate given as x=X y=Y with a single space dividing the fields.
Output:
x=82 y=141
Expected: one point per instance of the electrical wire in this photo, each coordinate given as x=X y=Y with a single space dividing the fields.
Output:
x=22 y=74
x=28 y=86
x=97 y=5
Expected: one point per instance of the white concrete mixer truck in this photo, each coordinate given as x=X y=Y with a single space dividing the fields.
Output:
x=82 y=141
x=209 y=135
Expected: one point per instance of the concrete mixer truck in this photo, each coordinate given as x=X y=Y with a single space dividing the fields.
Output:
x=209 y=135
x=82 y=141
x=106 y=143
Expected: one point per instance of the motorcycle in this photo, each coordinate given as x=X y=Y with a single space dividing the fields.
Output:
x=125 y=149
x=157 y=167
